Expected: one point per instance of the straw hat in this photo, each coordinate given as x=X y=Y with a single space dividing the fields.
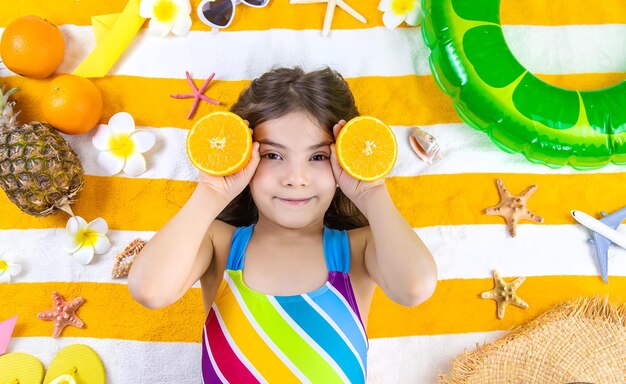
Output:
x=581 y=341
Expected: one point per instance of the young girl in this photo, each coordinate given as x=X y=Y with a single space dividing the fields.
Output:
x=286 y=259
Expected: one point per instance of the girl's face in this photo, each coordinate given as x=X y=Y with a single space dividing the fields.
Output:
x=294 y=184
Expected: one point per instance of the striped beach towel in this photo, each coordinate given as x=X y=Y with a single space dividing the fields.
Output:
x=569 y=43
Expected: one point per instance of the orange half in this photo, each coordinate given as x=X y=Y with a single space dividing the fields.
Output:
x=219 y=144
x=366 y=148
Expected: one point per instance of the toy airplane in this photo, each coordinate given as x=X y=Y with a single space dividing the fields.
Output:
x=604 y=232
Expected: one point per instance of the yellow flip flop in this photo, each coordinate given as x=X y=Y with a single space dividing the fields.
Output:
x=20 y=368
x=76 y=363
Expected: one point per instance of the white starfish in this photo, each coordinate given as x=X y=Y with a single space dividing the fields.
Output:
x=330 y=10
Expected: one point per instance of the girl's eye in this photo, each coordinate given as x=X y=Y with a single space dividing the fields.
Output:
x=320 y=157
x=272 y=156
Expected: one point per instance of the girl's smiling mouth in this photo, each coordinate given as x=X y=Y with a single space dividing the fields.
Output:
x=291 y=201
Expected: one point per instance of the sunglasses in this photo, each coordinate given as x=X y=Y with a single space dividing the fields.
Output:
x=220 y=13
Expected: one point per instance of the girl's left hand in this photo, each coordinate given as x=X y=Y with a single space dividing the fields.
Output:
x=356 y=190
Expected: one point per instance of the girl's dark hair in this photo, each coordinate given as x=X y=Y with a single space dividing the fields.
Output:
x=323 y=95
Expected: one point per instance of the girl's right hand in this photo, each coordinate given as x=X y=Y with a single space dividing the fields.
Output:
x=230 y=186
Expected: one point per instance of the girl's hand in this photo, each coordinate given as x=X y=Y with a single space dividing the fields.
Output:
x=230 y=186
x=356 y=190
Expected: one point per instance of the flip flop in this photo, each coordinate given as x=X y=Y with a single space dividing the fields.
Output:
x=20 y=368
x=76 y=363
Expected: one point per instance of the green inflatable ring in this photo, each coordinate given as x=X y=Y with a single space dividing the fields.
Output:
x=494 y=93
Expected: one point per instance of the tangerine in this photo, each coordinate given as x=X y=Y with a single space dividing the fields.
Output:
x=72 y=104
x=32 y=47
x=366 y=148
x=219 y=144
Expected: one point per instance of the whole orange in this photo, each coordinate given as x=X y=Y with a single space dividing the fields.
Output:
x=32 y=47
x=72 y=104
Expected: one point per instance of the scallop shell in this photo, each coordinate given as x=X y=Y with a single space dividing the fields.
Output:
x=124 y=260
x=425 y=145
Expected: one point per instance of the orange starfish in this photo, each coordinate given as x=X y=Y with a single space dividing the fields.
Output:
x=504 y=293
x=513 y=207
x=62 y=314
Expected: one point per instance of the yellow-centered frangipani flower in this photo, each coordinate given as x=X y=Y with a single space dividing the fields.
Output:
x=166 y=16
x=7 y=270
x=121 y=145
x=397 y=11
x=86 y=239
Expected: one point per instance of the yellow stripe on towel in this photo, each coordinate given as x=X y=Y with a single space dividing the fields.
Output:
x=562 y=12
x=125 y=203
x=147 y=204
x=397 y=100
x=110 y=311
x=281 y=14
x=401 y=100
x=456 y=306
x=462 y=198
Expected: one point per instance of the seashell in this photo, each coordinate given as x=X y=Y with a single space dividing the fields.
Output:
x=424 y=145
x=124 y=260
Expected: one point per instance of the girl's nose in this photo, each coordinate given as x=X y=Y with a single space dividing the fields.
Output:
x=296 y=176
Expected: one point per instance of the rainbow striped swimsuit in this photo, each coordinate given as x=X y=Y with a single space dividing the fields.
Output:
x=316 y=337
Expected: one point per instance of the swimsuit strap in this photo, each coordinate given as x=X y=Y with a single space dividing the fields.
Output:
x=337 y=250
x=238 y=245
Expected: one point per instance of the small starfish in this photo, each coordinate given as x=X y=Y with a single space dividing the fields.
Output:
x=504 y=293
x=513 y=207
x=196 y=94
x=330 y=10
x=62 y=314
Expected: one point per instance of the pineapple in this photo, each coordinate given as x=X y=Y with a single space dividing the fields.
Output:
x=39 y=171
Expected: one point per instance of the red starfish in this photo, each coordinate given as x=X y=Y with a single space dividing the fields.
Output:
x=63 y=313
x=197 y=94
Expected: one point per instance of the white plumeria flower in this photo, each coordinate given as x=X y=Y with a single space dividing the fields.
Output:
x=397 y=11
x=122 y=146
x=7 y=270
x=166 y=16
x=86 y=239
